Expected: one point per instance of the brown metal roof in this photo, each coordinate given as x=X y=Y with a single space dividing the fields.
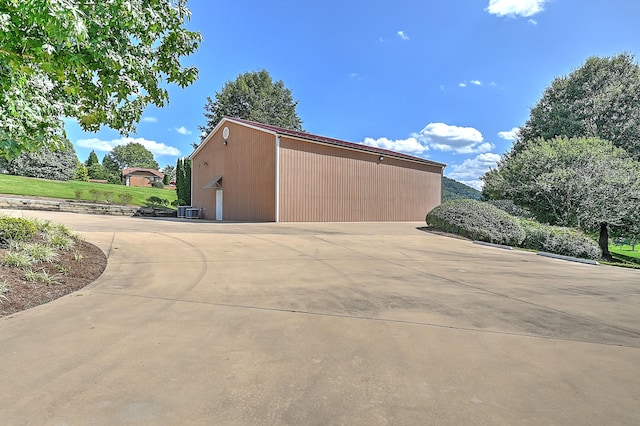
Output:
x=132 y=170
x=331 y=141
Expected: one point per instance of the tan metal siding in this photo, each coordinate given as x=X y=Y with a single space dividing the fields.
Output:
x=324 y=183
x=247 y=167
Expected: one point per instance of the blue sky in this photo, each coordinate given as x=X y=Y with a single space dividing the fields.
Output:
x=446 y=80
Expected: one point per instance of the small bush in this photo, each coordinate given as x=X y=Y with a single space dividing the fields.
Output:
x=17 y=229
x=178 y=202
x=158 y=184
x=478 y=221
x=96 y=194
x=157 y=202
x=17 y=259
x=78 y=194
x=125 y=198
x=40 y=277
x=59 y=241
x=40 y=252
x=108 y=197
x=559 y=240
x=511 y=208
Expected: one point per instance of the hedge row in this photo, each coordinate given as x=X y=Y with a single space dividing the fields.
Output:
x=485 y=222
x=478 y=221
x=559 y=240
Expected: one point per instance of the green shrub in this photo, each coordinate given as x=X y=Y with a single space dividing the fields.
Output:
x=59 y=241
x=17 y=259
x=78 y=194
x=157 y=202
x=478 y=221
x=40 y=277
x=108 y=197
x=178 y=202
x=559 y=240
x=40 y=252
x=13 y=228
x=158 y=184
x=125 y=198
x=511 y=208
x=96 y=194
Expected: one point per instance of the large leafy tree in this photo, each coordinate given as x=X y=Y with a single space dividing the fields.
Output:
x=102 y=62
x=55 y=164
x=253 y=96
x=600 y=99
x=132 y=154
x=586 y=183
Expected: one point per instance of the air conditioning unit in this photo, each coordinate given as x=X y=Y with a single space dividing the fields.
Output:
x=192 y=213
x=182 y=210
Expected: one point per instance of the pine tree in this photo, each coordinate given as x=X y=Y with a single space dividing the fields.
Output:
x=93 y=159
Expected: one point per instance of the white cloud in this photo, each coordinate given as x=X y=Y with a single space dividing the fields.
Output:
x=524 y=8
x=409 y=146
x=509 y=135
x=462 y=140
x=183 y=130
x=156 y=148
x=150 y=119
x=463 y=84
x=476 y=82
x=436 y=136
x=533 y=22
x=403 y=35
x=470 y=170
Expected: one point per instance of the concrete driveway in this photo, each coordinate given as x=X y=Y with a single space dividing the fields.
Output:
x=322 y=324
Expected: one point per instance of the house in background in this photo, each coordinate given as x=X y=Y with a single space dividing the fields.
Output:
x=137 y=176
x=248 y=171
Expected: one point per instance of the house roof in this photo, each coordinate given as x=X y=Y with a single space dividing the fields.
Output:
x=317 y=138
x=132 y=170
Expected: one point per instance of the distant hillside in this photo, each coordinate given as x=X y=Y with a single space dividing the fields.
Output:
x=452 y=189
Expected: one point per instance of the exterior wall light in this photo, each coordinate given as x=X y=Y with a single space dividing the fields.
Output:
x=381 y=158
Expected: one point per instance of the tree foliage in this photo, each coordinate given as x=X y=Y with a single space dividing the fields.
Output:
x=57 y=164
x=452 y=190
x=253 y=96
x=586 y=183
x=132 y=154
x=97 y=171
x=183 y=180
x=92 y=159
x=169 y=173
x=102 y=62
x=112 y=170
x=600 y=99
x=82 y=173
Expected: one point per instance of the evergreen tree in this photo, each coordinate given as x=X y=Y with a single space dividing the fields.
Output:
x=93 y=159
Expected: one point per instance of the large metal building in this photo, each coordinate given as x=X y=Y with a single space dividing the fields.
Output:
x=247 y=171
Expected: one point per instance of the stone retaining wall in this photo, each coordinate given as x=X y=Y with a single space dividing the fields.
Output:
x=65 y=206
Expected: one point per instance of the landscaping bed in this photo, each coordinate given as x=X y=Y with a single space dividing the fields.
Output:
x=68 y=270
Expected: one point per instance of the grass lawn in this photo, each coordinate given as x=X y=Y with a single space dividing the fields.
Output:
x=81 y=191
x=626 y=251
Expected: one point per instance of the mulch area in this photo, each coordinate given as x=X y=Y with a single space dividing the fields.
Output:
x=71 y=271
